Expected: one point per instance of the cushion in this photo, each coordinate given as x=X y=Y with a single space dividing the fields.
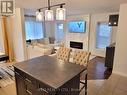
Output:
x=63 y=53
x=41 y=41
x=81 y=57
x=46 y=41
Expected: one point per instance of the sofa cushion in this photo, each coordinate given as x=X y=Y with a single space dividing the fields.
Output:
x=44 y=41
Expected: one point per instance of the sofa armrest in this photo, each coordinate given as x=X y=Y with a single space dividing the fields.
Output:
x=53 y=55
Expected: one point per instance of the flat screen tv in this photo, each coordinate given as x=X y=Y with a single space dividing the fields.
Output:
x=77 y=26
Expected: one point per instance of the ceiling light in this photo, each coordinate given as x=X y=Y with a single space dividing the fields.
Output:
x=49 y=15
x=39 y=16
x=60 y=14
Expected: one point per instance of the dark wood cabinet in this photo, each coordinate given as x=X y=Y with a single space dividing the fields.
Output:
x=109 y=57
x=48 y=78
x=26 y=85
x=20 y=84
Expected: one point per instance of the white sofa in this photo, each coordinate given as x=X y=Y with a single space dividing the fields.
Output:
x=36 y=51
x=41 y=47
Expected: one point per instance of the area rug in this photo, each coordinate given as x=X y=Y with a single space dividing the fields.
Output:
x=7 y=75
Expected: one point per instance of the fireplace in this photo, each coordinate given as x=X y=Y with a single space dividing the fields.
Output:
x=77 y=45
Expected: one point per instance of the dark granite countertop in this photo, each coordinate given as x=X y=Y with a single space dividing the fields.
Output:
x=50 y=71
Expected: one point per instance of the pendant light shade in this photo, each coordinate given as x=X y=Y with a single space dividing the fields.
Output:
x=39 y=16
x=49 y=15
x=60 y=14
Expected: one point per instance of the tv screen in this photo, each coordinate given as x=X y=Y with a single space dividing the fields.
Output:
x=77 y=26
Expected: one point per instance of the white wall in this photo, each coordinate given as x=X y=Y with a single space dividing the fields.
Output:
x=120 y=61
x=95 y=18
x=18 y=35
x=78 y=37
x=89 y=38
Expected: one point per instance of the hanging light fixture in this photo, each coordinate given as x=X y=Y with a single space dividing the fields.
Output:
x=61 y=13
x=39 y=16
x=49 y=14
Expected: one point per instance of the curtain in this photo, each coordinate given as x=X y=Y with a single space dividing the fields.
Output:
x=33 y=29
x=7 y=38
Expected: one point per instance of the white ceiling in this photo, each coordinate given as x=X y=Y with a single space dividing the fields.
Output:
x=75 y=6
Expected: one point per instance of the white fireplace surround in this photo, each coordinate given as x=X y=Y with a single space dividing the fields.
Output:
x=78 y=37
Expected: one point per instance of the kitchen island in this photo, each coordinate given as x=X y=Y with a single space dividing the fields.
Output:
x=46 y=75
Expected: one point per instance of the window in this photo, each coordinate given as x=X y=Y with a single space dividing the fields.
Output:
x=1 y=40
x=103 y=35
x=34 y=29
x=59 y=35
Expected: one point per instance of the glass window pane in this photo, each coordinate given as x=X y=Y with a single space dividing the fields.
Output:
x=34 y=30
x=59 y=35
x=38 y=31
x=29 y=28
x=103 y=35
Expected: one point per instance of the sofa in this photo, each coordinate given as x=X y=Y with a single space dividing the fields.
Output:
x=40 y=47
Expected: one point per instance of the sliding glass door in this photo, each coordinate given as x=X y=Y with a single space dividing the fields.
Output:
x=102 y=38
x=103 y=35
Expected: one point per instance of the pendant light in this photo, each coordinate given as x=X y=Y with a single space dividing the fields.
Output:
x=39 y=16
x=61 y=13
x=49 y=14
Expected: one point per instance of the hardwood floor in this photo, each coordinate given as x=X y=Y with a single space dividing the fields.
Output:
x=97 y=69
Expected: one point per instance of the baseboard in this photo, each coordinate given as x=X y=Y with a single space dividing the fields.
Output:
x=119 y=73
x=18 y=60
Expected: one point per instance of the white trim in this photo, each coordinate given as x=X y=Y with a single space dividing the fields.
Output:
x=119 y=73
